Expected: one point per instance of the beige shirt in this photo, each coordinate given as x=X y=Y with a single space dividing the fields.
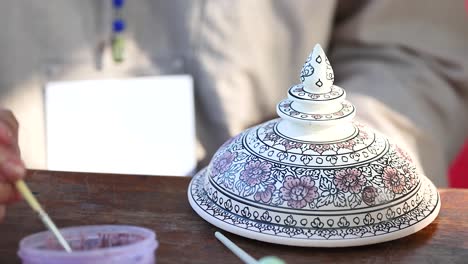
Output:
x=404 y=63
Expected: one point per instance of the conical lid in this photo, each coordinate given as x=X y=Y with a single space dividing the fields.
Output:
x=314 y=177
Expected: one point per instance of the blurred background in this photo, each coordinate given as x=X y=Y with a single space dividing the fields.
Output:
x=156 y=86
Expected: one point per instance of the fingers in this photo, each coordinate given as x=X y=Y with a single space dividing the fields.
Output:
x=6 y=135
x=10 y=119
x=12 y=170
x=8 y=128
x=11 y=166
x=2 y=212
x=7 y=193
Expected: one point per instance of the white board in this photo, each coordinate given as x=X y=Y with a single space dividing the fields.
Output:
x=133 y=126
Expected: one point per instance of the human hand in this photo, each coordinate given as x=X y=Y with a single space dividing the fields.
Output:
x=11 y=166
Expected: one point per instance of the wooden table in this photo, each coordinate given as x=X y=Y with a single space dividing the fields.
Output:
x=160 y=203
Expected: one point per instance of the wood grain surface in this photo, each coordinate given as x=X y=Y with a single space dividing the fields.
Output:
x=160 y=203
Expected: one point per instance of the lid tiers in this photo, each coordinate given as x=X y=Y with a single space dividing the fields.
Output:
x=316 y=109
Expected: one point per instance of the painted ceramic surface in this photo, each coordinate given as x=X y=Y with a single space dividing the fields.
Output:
x=298 y=92
x=264 y=167
x=317 y=74
x=315 y=228
x=353 y=187
x=286 y=107
x=361 y=187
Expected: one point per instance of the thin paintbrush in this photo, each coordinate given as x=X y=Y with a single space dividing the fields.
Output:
x=246 y=258
x=29 y=197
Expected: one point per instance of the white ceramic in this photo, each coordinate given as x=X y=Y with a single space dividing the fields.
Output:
x=314 y=177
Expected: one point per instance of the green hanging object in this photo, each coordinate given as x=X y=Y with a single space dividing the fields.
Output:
x=118 y=48
x=118 y=28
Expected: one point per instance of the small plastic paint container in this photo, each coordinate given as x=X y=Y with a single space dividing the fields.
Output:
x=92 y=244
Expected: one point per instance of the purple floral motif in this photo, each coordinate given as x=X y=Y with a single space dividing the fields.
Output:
x=320 y=148
x=393 y=180
x=275 y=139
x=363 y=135
x=255 y=172
x=288 y=144
x=298 y=191
x=340 y=113
x=349 y=180
x=369 y=193
x=271 y=136
x=287 y=105
x=264 y=194
x=348 y=144
x=222 y=163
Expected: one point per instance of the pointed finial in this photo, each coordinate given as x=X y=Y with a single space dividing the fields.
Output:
x=317 y=74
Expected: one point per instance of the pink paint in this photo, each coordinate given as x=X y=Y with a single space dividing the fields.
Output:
x=92 y=244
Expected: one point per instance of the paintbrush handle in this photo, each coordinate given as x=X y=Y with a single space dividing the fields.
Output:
x=239 y=252
x=28 y=196
x=51 y=226
x=31 y=200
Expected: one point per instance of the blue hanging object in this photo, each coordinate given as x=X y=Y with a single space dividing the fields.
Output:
x=118 y=27
x=118 y=3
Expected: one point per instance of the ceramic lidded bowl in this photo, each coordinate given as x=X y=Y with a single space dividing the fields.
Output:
x=314 y=177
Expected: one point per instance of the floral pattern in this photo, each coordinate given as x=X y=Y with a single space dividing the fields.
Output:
x=320 y=148
x=410 y=176
x=378 y=179
x=288 y=144
x=222 y=163
x=298 y=192
x=349 y=180
x=285 y=108
x=255 y=172
x=307 y=70
x=298 y=91
x=393 y=180
x=404 y=154
x=349 y=144
x=402 y=216
x=264 y=194
x=369 y=193
x=274 y=139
